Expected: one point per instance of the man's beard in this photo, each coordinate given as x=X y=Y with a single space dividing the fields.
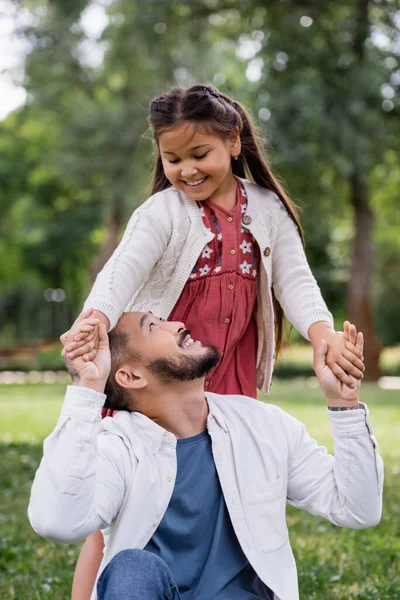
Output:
x=186 y=367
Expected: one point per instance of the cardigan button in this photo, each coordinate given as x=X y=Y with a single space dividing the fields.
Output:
x=246 y=220
x=267 y=251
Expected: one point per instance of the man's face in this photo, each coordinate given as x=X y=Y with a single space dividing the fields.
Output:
x=165 y=348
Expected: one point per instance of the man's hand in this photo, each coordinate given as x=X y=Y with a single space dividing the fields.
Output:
x=336 y=392
x=343 y=357
x=92 y=373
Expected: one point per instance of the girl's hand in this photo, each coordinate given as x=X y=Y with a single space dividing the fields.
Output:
x=336 y=392
x=343 y=357
x=85 y=341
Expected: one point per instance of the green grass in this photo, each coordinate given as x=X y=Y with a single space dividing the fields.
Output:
x=333 y=563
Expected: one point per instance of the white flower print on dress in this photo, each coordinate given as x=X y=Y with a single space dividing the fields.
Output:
x=245 y=266
x=245 y=247
x=204 y=270
x=207 y=251
x=255 y=273
x=193 y=275
x=219 y=237
x=243 y=208
x=217 y=269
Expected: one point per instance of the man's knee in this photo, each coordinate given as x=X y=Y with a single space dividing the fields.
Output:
x=138 y=559
x=134 y=569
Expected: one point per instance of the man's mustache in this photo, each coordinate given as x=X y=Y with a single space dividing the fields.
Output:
x=183 y=335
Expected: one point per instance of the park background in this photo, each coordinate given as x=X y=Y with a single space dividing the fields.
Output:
x=76 y=77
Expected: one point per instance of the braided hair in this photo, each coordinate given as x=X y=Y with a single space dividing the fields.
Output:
x=217 y=114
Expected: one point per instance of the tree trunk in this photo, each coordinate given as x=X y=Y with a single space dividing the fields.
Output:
x=114 y=225
x=359 y=302
x=358 y=292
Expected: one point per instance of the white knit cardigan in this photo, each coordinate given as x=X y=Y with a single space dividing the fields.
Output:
x=162 y=243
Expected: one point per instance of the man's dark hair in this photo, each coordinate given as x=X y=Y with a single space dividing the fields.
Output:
x=117 y=397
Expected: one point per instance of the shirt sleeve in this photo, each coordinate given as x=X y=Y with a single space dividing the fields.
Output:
x=294 y=284
x=345 y=488
x=143 y=244
x=80 y=483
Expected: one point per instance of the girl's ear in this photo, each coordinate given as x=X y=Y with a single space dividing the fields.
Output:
x=235 y=144
x=130 y=378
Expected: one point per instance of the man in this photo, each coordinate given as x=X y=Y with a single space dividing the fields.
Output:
x=190 y=489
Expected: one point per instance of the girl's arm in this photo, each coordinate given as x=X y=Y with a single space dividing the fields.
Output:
x=143 y=244
x=294 y=284
x=298 y=293
x=87 y=567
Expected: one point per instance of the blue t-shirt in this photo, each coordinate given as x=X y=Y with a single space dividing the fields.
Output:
x=196 y=538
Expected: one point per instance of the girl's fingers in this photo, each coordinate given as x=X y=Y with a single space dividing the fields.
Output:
x=360 y=341
x=357 y=362
x=354 y=350
x=340 y=374
x=81 y=336
x=352 y=334
x=350 y=369
x=86 y=335
x=82 y=339
x=78 y=344
x=90 y=356
x=87 y=327
x=85 y=349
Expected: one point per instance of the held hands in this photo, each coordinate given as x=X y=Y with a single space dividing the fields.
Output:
x=343 y=356
x=92 y=369
x=336 y=392
x=86 y=339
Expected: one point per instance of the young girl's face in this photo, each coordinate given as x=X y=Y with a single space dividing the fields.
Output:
x=198 y=164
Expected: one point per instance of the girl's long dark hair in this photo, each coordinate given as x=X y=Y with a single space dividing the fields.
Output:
x=218 y=114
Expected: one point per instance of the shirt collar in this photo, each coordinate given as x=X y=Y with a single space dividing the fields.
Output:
x=215 y=412
x=156 y=436
x=153 y=434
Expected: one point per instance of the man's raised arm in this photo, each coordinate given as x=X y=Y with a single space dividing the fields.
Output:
x=77 y=488
x=345 y=488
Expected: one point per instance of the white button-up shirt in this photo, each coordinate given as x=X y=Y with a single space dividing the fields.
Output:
x=118 y=475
